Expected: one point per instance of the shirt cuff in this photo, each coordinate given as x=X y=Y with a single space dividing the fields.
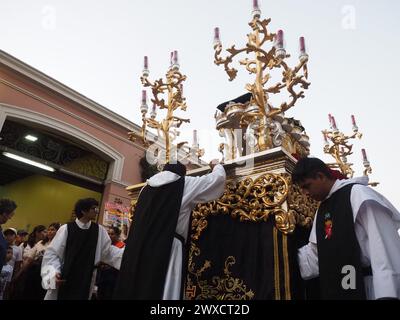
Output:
x=386 y=285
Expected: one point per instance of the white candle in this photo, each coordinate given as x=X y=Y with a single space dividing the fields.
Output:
x=144 y=97
x=216 y=35
x=353 y=120
x=256 y=9
x=255 y=5
x=334 y=127
x=143 y=107
x=302 y=46
x=175 y=57
x=279 y=39
x=146 y=63
x=195 y=142
x=153 y=113
x=330 y=119
x=364 y=154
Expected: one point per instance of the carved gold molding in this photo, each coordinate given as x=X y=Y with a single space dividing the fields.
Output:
x=256 y=200
x=301 y=206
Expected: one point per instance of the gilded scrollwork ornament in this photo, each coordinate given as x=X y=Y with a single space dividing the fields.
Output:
x=257 y=200
x=224 y=287
x=301 y=207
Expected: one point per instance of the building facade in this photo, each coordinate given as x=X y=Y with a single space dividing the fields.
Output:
x=84 y=145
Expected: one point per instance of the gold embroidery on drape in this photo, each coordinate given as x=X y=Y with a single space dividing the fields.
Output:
x=225 y=287
x=286 y=267
x=276 y=266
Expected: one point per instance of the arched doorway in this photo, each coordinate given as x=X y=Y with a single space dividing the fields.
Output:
x=78 y=166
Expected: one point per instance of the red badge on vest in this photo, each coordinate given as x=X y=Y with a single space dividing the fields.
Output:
x=328 y=226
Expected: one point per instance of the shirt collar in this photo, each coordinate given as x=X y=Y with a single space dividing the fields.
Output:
x=162 y=178
x=83 y=225
x=341 y=183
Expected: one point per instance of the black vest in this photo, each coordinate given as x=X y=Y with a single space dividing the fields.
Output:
x=148 y=247
x=338 y=247
x=77 y=270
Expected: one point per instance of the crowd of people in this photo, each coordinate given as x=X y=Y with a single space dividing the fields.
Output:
x=21 y=277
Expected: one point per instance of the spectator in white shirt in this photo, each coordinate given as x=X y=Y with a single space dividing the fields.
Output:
x=6 y=274
x=30 y=280
x=10 y=235
x=38 y=234
x=22 y=236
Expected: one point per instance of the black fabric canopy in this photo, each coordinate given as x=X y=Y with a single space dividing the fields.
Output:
x=242 y=99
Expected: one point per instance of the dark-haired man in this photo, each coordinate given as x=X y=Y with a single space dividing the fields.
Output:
x=152 y=265
x=7 y=210
x=69 y=261
x=355 y=242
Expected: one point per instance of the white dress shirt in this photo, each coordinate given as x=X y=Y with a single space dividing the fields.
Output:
x=202 y=189
x=376 y=224
x=54 y=255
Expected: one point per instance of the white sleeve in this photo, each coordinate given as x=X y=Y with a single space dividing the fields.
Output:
x=9 y=275
x=18 y=256
x=32 y=253
x=54 y=254
x=313 y=233
x=110 y=254
x=383 y=242
x=26 y=251
x=308 y=261
x=207 y=187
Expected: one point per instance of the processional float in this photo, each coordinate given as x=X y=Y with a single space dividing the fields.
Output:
x=244 y=245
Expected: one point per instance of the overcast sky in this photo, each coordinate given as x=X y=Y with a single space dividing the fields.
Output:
x=96 y=47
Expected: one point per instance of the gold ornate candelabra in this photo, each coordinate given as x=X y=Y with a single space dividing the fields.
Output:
x=340 y=148
x=172 y=86
x=336 y=143
x=260 y=111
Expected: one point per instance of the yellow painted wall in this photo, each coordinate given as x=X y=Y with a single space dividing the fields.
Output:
x=43 y=200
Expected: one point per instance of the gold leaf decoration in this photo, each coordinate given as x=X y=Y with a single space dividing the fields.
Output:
x=225 y=287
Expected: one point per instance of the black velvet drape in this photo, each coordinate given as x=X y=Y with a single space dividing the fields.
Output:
x=248 y=260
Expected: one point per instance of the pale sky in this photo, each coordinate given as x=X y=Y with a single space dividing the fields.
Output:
x=96 y=47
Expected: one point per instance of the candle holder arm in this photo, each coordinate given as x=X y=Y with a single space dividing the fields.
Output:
x=179 y=120
x=261 y=27
x=232 y=72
